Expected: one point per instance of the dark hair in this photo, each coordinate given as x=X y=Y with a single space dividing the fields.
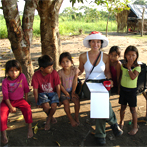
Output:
x=134 y=49
x=67 y=55
x=101 y=42
x=10 y=64
x=115 y=49
x=45 y=61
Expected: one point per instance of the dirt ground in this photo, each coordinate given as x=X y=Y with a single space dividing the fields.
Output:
x=61 y=133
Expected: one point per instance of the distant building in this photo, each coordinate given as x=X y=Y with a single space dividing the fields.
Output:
x=132 y=19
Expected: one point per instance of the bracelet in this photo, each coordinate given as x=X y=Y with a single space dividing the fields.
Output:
x=110 y=79
x=129 y=69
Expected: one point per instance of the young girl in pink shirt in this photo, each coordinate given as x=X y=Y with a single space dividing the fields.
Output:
x=68 y=76
x=14 y=86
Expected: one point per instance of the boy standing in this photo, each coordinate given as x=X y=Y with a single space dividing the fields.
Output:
x=46 y=88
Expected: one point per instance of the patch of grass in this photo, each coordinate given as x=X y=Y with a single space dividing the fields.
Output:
x=36 y=27
x=73 y=27
x=3 y=29
x=65 y=27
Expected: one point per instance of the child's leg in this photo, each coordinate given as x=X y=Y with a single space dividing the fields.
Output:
x=67 y=111
x=122 y=114
x=54 y=100
x=51 y=111
x=77 y=108
x=30 y=132
x=134 y=116
x=27 y=113
x=43 y=100
x=53 y=120
x=4 y=112
x=46 y=109
x=4 y=138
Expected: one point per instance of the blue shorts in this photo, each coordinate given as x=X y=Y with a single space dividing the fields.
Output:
x=48 y=98
x=64 y=97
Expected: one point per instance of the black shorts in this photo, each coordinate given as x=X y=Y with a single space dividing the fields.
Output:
x=128 y=96
x=114 y=90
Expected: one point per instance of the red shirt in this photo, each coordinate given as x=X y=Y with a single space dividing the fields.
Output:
x=114 y=75
x=45 y=83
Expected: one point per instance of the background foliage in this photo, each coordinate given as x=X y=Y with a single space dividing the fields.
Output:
x=71 y=20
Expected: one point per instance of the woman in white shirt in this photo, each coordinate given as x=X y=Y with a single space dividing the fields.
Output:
x=95 y=41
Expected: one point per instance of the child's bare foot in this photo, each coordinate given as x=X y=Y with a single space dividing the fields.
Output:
x=4 y=140
x=73 y=123
x=47 y=125
x=53 y=120
x=78 y=122
x=121 y=125
x=30 y=133
x=133 y=131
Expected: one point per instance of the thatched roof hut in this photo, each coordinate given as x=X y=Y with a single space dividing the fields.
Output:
x=132 y=19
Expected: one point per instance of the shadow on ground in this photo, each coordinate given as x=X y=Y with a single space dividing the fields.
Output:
x=64 y=134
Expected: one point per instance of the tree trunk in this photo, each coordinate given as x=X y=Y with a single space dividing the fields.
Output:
x=49 y=11
x=20 y=37
x=107 y=25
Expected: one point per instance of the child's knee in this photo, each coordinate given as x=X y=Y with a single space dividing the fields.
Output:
x=132 y=110
x=45 y=107
x=123 y=107
x=76 y=101
x=54 y=105
x=66 y=103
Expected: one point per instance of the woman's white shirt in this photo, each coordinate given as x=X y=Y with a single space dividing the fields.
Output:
x=98 y=71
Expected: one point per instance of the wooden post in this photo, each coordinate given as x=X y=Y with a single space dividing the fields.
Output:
x=142 y=26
